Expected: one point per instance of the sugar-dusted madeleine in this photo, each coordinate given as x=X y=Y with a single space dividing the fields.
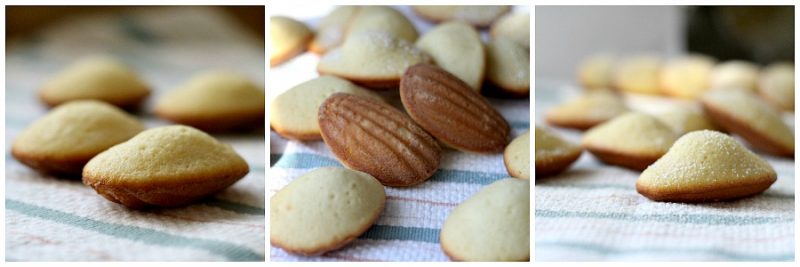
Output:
x=102 y=78
x=451 y=111
x=480 y=16
x=457 y=48
x=345 y=21
x=684 y=120
x=736 y=74
x=293 y=114
x=633 y=140
x=638 y=74
x=705 y=166
x=508 y=67
x=686 y=77
x=596 y=72
x=492 y=225
x=515 y=26
x=287 y=38
x=553 y=154
x=776 y=85
x=372 y=59
x=744 y=113
x=324 y=210
x=66 y=138
x=215 y=101
x=587 y=110
x=167 y=166
x=371 y=136
x=517 y=156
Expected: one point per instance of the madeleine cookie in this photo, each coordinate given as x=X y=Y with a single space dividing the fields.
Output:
x=66 y=138
x=687 y=77
x=324 y=210
x=479 y=16
x=776 y=85
x=517 y=156
x=633 y=140
x=492 y=225
x=332 y=29
x=344 y=22
x=374 y=59
x=287 y=38
x=99 y=78
x=457 y=48
x=515 y=26
x=553 y=154
x=596 y=72
x=587 y=110
x=167 y=166
x=371 y=136
x=214 y=101
x=293 y=114
x=705 y=166
x=685 y=120
x=638 y=74
x=508 y=67
x=734 y=74
x=743 y=113
x=450 y=110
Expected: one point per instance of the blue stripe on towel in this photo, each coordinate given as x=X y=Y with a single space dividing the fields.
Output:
x=706 y=219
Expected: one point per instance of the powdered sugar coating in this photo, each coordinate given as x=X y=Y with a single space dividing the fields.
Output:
x=757 y=114
x=371 y=55
x=550 y=147
x=632 y=132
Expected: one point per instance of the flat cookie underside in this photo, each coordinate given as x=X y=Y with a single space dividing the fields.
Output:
x=556 y=166
x=633 y=161
x=754 y=137
x=708 y=193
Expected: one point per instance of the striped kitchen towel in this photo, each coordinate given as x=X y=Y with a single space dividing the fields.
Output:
x=53 y=219
x=593 y=212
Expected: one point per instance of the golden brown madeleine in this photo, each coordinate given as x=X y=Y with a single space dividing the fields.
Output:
x=66 y=138
x=451 y=111
x=517 y=156
x=686 y=77
x=638 y=74
x=776 y=85
x=508 y=67
x=587 y=110
x=705 y=166
x=167 y=166
x=373 y=137
x=100 y=78
x=332 y=29
x=743 y=113
x=596 y=72
x=479 y=16
x=633 y=140
x=736 y=74
x=345 y=21
x=287 y=38
x=553 y=154
x=515 y=26
x=457 y=48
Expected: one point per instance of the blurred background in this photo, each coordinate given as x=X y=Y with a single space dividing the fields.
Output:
x=567 y=35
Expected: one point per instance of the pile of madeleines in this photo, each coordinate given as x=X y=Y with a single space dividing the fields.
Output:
x=685 y=153
x=366 y=54
x=88 y=133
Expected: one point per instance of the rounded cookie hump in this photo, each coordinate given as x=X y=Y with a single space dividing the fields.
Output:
x=479 y=16
x=166 y=166
x=451 y=111
x=66 y=138
x=517 y=156
x=375 y=138
x=633 y=140
x=492 y=225
x=553 y=154
x=324 y=210
x=100 y=78
x=287 y=38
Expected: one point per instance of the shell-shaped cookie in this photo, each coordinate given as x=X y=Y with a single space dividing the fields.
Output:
x=66 y=138
x=743 y=113
x=287 y=38
x=596 y=72
x=508 y=66
x=100 y=78
x=687 y=77
x=345 y=21
x=587 y=110
x=776 y=85
x=684 y=120
x=324 y=209
x=638 y=74
x=736 y=74
x=373 y=137
x=457 y=48
x=451 y=111
x=332 y=29
x=517 y=156
x=372 y=59
x=705 y=166
x=480 y=16
x=633 y=140
x=165 y=167
x=492 y=225
x=553 y=154
x=515 y=26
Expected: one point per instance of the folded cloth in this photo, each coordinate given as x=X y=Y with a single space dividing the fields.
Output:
x=592 y=212
x=54 y=219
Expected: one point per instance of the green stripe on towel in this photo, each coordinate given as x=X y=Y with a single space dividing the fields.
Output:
x=230 y=251
x=388 y=232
